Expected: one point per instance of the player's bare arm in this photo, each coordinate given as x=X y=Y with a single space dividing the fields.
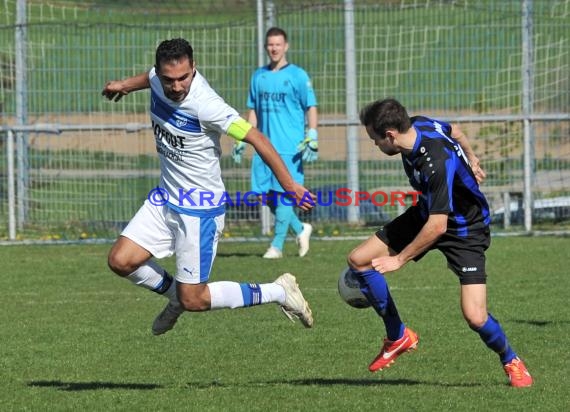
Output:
x=116 y=89
x=435 y=226
x=463 y=141
x=267 y=152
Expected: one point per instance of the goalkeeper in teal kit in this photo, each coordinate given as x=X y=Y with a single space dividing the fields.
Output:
x=283 y=106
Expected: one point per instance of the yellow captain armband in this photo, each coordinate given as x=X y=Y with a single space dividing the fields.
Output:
x=239 y=129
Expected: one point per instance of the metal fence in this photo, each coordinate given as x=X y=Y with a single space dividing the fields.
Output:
x=73 y=165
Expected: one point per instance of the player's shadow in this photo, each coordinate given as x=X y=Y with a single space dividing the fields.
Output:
x=331 y=382
x=348 y=381
x=238 y=254
x=369 y=382
x=541 y=323
x=92 y=386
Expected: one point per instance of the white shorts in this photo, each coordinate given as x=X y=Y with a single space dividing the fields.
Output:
x=164 y=232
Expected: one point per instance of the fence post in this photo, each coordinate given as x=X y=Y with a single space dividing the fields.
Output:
x=21 y=45
x=353 y=212
x=11 y=186
x=265 y=217
x=527 y=109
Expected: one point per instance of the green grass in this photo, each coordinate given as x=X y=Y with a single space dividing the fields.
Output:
x=76 y=337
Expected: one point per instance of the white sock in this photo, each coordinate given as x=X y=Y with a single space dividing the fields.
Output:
x=272 y=292
x=233 y=295
x=152 y=276
x=225 y=294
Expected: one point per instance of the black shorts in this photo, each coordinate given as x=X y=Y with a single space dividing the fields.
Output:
x=465 y=255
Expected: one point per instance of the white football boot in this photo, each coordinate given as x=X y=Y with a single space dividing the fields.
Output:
x=304 y=238
x=295 y=305
x=273 y=253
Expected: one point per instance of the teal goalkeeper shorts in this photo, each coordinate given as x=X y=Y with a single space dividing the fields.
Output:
x=263 y=180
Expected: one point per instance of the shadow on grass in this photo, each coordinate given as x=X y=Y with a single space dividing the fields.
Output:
x=92 y=386
x=331 y=382
x=540 y=322
x=348 y=382
x=369 y=382
x=240 y=254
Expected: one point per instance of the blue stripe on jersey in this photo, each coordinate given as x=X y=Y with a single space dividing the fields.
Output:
x=461 y=225
x=469 y=181
x=469 y=207
x=432 y=127
x=213 y=212
x=176 y=118
x=207 y=233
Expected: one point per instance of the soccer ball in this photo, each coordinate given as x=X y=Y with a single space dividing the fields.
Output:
x=349 y=290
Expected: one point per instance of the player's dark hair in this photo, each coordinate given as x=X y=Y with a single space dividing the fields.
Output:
x=173 y=49
x=275 y=31
x=385 y=114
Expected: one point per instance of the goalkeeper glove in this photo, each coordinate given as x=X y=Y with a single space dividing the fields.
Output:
x=309 y=147
x=237 y=151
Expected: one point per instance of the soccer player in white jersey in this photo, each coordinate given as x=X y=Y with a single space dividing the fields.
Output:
x=281 y=101
x=185 y=214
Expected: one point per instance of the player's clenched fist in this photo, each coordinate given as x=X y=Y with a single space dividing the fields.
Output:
x=114 y=90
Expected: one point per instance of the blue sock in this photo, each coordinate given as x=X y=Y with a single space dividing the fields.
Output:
x=282 y=219
x=492 y=334
x=373 y=285
x=251 y=293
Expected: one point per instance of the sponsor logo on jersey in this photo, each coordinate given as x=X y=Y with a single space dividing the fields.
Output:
x=163 y=135
x=274 y=97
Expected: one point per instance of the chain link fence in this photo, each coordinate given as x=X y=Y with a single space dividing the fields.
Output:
x=73 y=165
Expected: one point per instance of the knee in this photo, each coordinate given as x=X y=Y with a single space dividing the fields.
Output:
x=119 y=263
x=193 y=302
x=356 y=262
x=194 y=305
x=475 y=320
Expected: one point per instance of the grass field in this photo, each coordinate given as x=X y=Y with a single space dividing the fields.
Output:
x=75 y=337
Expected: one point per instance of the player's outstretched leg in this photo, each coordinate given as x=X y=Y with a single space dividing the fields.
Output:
x=295 y=305
x=224 y=294
x=394 y=348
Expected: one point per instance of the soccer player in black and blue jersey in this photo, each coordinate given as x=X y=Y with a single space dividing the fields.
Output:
x=452 y=215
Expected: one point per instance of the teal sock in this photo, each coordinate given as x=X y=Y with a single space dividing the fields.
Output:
x=282 y=219
x=295 y=222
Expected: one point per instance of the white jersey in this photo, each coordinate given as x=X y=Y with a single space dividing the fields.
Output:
x=187 y=138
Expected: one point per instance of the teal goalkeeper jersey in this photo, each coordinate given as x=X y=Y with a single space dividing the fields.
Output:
x=280 y=100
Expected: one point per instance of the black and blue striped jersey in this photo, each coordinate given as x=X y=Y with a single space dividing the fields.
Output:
x=438 y=168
